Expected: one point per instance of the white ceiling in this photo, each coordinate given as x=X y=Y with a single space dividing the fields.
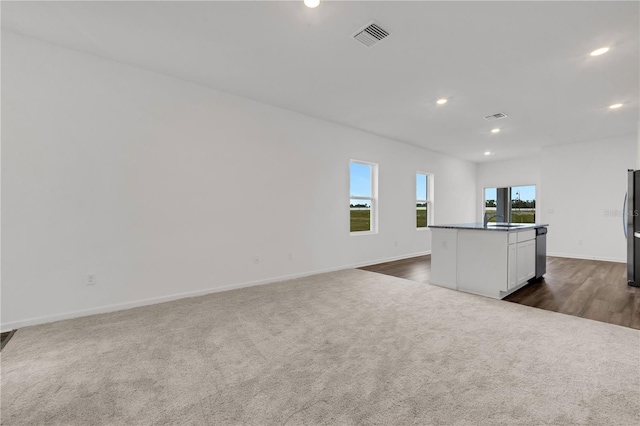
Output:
x=529 y=60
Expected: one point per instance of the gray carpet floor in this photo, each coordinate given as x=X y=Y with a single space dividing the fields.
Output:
x=349 y=347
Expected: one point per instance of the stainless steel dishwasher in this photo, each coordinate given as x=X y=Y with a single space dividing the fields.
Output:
x=541 y=252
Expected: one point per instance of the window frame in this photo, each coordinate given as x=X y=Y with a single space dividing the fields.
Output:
x=509 y=187
x=373 y=200
x=428 y=201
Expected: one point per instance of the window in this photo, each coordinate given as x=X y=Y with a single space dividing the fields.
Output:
x=363 y=193
x=515 y=204
x=423 y=200
x=491 y=213
x=523 y=204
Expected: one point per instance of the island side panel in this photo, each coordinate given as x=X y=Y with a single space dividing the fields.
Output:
x=483 y=262
x=444 y=248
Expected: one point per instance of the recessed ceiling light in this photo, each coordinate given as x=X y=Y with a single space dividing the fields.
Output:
x=441 y=101
x=487 y=153
x=600 y=51
x=615 y=106
x=311 y=3
x=496 y=130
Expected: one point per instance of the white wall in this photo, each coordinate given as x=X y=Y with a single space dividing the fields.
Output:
x=580 y=192
x=164 y=188
x=637 y=167
x=584 y=186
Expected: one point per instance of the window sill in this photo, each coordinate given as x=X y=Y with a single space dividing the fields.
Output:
x=355 y=234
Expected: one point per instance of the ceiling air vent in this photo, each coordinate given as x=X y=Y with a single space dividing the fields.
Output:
x=497 y=116
x=371 y=34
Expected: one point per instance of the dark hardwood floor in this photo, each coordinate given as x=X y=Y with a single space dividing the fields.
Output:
x=5 y=337
x=585 y=288
x=413 y=268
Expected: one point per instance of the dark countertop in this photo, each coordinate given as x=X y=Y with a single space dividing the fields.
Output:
x=502 y=226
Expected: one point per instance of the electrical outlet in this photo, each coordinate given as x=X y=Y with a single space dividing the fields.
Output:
x=396 y=243
x=256 y=259
x=580 y=242
x=444 y=244
x=291 y=256
x=91 y=279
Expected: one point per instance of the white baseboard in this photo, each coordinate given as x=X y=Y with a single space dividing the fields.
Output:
x=14 y=325
x=604 y=259
x=388 y=259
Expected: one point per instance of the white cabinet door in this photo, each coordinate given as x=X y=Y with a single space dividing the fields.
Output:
x=512 y=274
x=526 y=263
x=522 y=262
x=530 y=256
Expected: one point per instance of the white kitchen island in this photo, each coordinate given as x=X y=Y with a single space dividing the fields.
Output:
x=493 y=260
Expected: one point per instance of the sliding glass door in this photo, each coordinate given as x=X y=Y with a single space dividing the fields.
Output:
x=516 y=204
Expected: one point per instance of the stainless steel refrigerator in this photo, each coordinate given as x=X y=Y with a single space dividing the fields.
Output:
x=631 y=222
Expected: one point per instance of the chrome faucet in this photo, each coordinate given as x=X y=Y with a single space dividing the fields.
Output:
x=488 y=218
